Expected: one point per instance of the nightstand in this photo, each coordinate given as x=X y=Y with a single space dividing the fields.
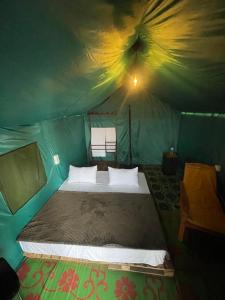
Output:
x=170 y=163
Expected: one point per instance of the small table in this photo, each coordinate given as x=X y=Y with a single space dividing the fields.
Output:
x=170 y=163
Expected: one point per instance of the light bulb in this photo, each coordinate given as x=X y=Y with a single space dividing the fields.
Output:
x=135 y=81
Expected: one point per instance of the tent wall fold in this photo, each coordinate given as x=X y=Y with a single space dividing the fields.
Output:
x=64 y=137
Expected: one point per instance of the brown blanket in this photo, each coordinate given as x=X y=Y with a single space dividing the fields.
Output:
x=97 y=219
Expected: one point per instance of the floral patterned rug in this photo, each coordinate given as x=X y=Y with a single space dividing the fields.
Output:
x=45 y=279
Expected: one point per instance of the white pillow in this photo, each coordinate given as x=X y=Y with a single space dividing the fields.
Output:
x=123 y=176
x=83 y=174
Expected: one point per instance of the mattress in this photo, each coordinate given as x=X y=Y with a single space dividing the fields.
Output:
x=98 y=227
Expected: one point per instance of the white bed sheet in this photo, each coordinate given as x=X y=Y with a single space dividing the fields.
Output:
x=112 y=254
x=102 y=180
x=101 y=254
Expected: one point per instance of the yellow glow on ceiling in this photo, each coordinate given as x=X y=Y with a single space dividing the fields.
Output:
x=169 y=29
x=135 y=81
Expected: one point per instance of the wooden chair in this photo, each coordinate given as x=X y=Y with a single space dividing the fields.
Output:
x=199 y=204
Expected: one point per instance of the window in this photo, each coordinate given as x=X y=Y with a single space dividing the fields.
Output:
x=22 y=175
x=103 y=141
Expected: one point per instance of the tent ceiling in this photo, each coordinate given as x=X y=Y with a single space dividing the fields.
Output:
x=65 y=57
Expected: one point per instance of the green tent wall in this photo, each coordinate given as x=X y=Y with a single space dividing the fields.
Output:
x=64 y=137
x=154 y=126
x=202 y=139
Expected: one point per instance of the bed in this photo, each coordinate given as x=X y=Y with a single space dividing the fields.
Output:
x=114 y=225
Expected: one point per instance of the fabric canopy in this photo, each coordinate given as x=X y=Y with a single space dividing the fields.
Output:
x=60 y=58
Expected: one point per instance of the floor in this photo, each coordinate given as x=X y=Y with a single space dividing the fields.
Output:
x=199 y=264
x=200 y=260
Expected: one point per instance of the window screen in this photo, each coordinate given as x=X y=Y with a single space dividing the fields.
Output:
x=22 y=175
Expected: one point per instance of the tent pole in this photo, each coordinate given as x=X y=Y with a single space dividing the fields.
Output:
x=130 y=149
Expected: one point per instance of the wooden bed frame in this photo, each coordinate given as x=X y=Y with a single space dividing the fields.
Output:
x=166 y=270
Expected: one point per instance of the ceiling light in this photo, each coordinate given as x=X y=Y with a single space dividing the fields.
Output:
x=135 y=81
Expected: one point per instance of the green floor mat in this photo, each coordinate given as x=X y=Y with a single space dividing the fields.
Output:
x=45 y=279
